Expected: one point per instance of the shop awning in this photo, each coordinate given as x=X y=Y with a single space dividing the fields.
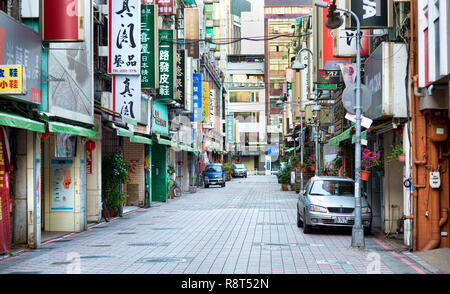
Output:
x=344 y=136
x=190 y=2
x=17 y=121
x=165 y=141
x=59 y=127
x=122 y=131
x=141 y=139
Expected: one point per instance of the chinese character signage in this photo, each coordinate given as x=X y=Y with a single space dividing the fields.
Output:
x=180 y=77
x=188 y=85
x=166 y=65
x=205 y=104
x=166 y=7
x=197 y=98
x=230 y=127
x=160 y=118
x=191 y=31
x=62 y=20
x=149 y=41
x=20 y=45
x=127 y=96
x=124 y=37
x=11 y=79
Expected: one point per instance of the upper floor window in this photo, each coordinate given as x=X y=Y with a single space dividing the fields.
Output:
x=244 y=97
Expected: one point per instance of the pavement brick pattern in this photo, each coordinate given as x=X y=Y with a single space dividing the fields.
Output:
x=248 y=227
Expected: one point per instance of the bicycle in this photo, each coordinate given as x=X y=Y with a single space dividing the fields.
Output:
x=105 y=210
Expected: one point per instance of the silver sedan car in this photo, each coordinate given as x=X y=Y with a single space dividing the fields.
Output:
x=330 y=201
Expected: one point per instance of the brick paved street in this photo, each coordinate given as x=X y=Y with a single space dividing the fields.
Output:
x=248 y=227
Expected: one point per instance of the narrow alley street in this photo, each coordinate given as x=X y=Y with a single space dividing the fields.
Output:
x=248 y=227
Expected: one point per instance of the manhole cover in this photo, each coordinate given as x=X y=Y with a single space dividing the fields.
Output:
x=164 y=259
x=332 y=262
x=150 y=244
x=163 y=229
x=126 y=233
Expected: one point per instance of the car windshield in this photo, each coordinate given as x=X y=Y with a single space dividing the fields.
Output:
x=332 y=188
x=213 y=169
x=239 y=166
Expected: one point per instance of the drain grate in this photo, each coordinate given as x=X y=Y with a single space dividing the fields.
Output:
x=332 y=262
x=155 y=244
x=164 y=259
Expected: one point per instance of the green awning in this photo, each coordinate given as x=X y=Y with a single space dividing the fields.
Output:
x=141 y=139
x=59 y=127
x=165 y=141
x=122 y=131
x=190 y=2
x=341 y=137
x=17 y=121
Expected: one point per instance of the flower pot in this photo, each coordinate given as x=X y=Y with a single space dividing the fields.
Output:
x=365 y=175
x=284 y=187
x=312 y=167
x=305 y=169
x=401 y=157
x=297 y=165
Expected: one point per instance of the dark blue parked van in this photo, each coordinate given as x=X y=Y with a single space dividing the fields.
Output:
x=214 y=174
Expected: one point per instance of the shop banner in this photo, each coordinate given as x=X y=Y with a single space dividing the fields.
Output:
x=160 y=119
x=372 y=14
x=230 y=127
x=124 y=37
x=11 y=79
x=62 y=193
x=5 y=231
x=188 y=88
x=181 y=78
x=197 y=98
x=127 y=96
x=166 y=65
x=205 y=104
x=192 y=30
x=166 y=7
x=20 y=45
x=149 y=47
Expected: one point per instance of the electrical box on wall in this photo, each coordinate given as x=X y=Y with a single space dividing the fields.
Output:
x=435 y=180
x=439 y=129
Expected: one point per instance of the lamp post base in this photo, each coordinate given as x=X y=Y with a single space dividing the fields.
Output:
x=358 y=237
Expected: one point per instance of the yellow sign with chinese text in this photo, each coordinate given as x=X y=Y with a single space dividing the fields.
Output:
x=11 y=79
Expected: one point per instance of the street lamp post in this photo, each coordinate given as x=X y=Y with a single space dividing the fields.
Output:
x=334 y=21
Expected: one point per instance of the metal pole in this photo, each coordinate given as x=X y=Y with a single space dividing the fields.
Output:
x=357 y=231
x=316 y=137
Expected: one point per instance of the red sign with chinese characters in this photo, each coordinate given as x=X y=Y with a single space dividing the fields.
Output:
x=165 y=7
x=62 y=20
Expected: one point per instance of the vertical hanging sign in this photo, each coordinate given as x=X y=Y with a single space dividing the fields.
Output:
x=205 y=104
x=197 y=98
x=127 y=96
x=149 y=49
x=166 y=65
x=191 y=23
x=181 y=70
x=124 y=37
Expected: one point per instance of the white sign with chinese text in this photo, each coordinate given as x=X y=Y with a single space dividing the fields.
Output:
x=124 y=37
x=127 y=96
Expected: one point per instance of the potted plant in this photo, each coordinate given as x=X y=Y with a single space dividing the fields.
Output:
x=369 y=159
x=228 y=171
x=311 y=160
x=304 y=166
x=397 y=154
x=284 y=177
x=115 y=172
